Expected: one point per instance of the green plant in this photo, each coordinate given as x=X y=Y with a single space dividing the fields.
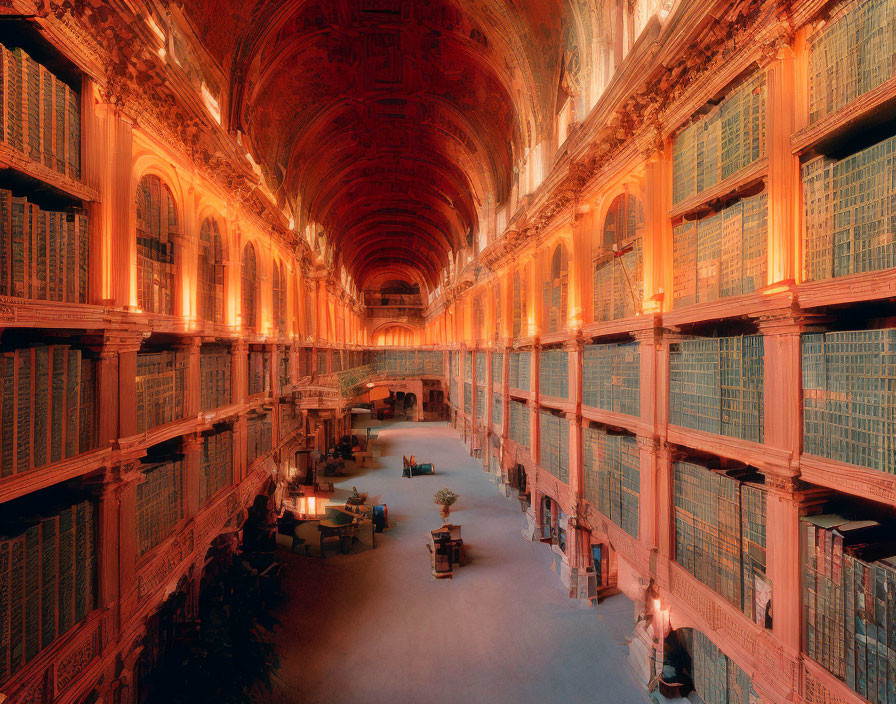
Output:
x=445 y=497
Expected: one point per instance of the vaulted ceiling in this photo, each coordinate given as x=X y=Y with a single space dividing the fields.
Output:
x=393 y=122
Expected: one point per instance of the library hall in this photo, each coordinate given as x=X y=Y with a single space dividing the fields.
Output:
x=447 y=351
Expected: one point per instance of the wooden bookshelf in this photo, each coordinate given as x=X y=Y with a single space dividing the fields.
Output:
x=849 y=478
x=866 y=111
x=732 y=187
x=14 y=161
x=17 y=485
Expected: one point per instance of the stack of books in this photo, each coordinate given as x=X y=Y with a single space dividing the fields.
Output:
x=554 y=373
x=851 y=55
x=214 y=377
x=41 y=115
x=48 y=406
x=720 y=534
x=159 y=501
x=724 y=254
x=519 y=423
x=161 y=385
x=716 y=386
x=48 y=569
x=848 y=382
x=849 y=602
x=554 y=435
x=613 y=476
x=519 y=370
x=722 y=142
x=849 y=212
x=43 y=253
x=215 y=463
x=259 y=437
x=611 y=377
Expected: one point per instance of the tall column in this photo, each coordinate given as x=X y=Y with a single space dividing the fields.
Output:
x=783 y=168
x=239 y=370
x=127 y=386
x=190 y=446
x=107 y=167
x=192 y=402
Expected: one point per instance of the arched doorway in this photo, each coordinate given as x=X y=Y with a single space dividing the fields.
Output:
x=410 y=405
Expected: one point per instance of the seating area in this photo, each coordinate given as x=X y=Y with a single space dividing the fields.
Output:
x=412 y=469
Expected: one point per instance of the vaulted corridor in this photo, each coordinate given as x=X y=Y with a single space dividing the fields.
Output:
x=376 y=627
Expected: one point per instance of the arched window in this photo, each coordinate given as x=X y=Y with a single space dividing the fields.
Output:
x=156 y=226
x=519 y=305
x=497 y=299
x=211 y=272
x=249 y=288
x=617 y=279
x=556 y=291
x=278 y=278
x=477 y=317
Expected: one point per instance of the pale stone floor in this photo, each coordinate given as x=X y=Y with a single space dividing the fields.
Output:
x=375 y=627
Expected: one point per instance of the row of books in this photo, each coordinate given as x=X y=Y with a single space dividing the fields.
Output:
x=520 y=317
x=48 y=569
x=304 y=362
x=555 y=295
x=215 y=463
x=613 y=476
x=717 y=678
x=849 y=602
x=553 y=373
x=850 y=213
x=215 y=380
x=43 y=253
x=720 y=535
x=41 y=114
x=851 y=55
x=259 y=372
x=722 y=142
x=160 y=501
x=519 y=422
x=554 y=445
x=618 y=283
x=725 y=254
x=611 y=377
x=48 y=406
x=409 y=363
x=161 y=387
x=497 y=410
x=322 y=361
x=497 y=367
x=481 y=360
x=519 y=370
x=468 y=397
x=467 y=358
x=480 y=406
x=849 y=379
x=716 y=386
x=259 y=437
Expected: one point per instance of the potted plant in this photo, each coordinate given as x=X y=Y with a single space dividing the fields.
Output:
x=356 y=499
x=445 y=498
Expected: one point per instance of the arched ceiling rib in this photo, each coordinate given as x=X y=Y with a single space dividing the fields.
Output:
x=392 y=121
